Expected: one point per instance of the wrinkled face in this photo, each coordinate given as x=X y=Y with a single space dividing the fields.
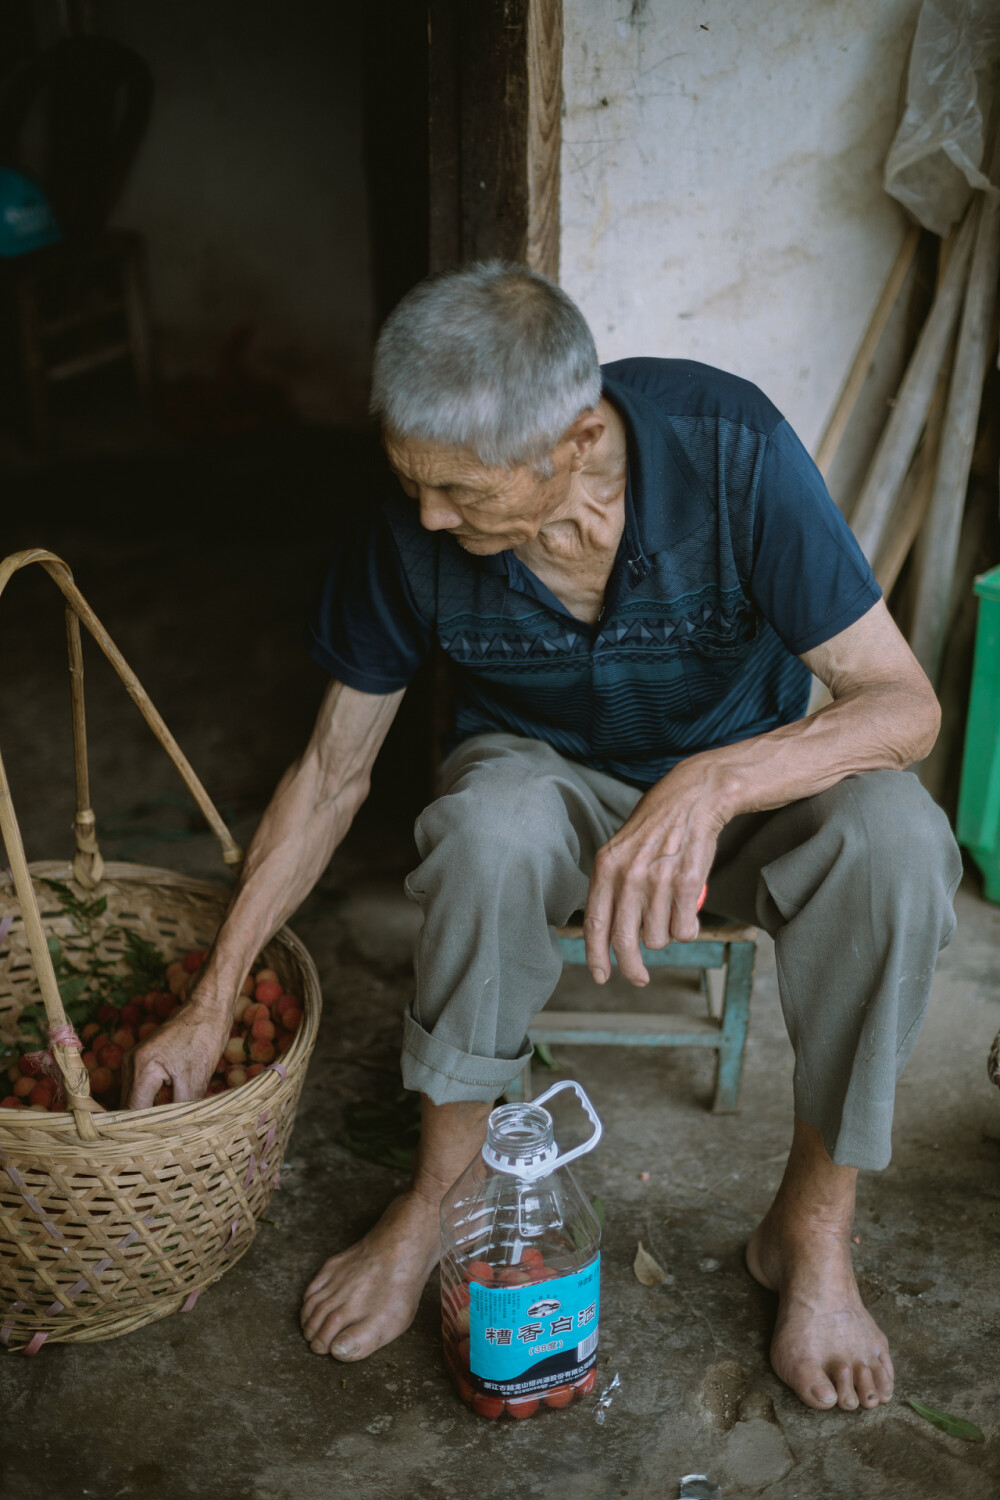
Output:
x=485 y=510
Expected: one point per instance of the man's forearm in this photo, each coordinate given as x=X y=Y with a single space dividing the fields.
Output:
x=308 y=816
x=886 y=727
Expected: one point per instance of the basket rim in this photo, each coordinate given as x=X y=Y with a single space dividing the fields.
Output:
x=117 y=1127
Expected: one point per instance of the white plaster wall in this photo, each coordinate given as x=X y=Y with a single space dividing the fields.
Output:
x=721 y=188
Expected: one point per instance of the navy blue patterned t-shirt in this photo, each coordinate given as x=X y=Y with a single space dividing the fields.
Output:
x=734 y=560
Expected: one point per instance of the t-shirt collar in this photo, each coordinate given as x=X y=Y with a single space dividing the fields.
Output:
x=664 y=500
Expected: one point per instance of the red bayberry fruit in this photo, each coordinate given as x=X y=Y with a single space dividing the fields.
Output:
x=43 y=1093
x=90 y=1030
x=478 y=1270
x=12 y=1102
x=464 y=1389
x=292 y=1018
x=246 y=988
x=254 y=1070
x=263 y=975
x=107 y=1015
x=532 y=1259
x=101 y=1080
x=193 y=961
x=263 y=1030
x=235 y=1050
x=89 y=1060
x=235 y=1078
x=286 y=1002
x=586 y=1385
x=266 y=991
x=124 y=1038
x=512 y=1276
x=285 y=1040
x=147 y=1029
x=261 y=1051
x=522 y=1408
x=110 y=1056
x=164 y=1094
x=23 y=1087
x=488 y=1406
x=559 y=1397
x=217 y=1086
x=164 y=1006
x=31 y=1065
x=132 y=1014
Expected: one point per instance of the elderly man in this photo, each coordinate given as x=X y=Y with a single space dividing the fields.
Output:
x=633 y=572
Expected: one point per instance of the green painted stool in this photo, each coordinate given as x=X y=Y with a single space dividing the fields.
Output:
x=720 y=945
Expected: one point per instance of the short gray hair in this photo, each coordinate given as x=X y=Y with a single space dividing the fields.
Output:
x=493 y=358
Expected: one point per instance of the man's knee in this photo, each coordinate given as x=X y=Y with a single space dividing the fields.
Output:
x=889 y=824
x=495 y=819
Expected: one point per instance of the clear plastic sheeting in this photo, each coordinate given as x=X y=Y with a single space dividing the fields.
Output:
x=935 y=160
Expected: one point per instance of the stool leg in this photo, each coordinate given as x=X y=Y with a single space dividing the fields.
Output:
x=735 y=1019
x=518 y=1091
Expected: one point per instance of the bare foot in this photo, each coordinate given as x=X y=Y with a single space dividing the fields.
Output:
x=826 y=1346
x=368 y=1295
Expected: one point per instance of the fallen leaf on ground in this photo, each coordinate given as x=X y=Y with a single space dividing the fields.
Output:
x=953 y=1426
x=647 y=1270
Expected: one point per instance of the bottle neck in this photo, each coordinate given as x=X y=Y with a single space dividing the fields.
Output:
x=518 y=1136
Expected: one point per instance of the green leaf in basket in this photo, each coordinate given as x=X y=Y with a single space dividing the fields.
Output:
x=70 y=990
x=953 y=1426
x=55 y=950
x=544 y=1054
x=597 y=1204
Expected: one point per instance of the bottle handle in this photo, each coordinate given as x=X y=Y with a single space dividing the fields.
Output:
x=544 y=1168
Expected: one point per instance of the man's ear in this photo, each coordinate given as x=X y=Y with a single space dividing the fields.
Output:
x=584 y=434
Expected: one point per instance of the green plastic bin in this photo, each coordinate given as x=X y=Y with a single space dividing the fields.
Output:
x=979 y=796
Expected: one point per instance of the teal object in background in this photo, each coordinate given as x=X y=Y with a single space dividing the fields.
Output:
x=979 y=797
x=26 y=220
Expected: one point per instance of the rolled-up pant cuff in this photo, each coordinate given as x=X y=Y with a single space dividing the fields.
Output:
x=448 y=1076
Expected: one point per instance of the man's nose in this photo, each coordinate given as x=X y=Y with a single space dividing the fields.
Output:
x=436 y=514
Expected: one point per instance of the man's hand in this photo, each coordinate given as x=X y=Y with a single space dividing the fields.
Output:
x=183 y=1052
x=647 y=879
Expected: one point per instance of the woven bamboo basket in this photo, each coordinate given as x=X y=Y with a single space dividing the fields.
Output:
x=112 y=1219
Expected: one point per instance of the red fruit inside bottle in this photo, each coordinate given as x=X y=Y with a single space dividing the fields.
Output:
x=488 y=1406
x=478 y=1270
x=561 y=1396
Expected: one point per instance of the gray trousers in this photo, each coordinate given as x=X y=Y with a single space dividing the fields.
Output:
x=855 y=886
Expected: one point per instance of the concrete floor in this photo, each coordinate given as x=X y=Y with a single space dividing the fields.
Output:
x=228 y=1399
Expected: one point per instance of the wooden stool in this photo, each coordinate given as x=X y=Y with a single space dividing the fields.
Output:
x=725 y=946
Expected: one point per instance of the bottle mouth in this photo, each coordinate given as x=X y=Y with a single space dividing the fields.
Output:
x=518 y=1135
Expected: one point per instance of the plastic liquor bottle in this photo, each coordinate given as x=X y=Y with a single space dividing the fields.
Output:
x=520 y=1268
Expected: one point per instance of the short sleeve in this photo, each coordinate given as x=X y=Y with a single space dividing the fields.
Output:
x=368 y=632
x=810 y=579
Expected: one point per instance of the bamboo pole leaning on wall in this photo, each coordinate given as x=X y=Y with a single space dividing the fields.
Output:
x=901 y=433
x=851 y=390
x=958 y=435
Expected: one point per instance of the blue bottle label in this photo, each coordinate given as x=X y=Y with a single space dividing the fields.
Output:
x=525 y=1339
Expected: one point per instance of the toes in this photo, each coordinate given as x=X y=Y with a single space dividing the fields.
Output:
x=820 y=1394
x=883 y=1377
x=322 y=1327
x=350 y=1343
x=864 y=1384
x=843 y=1379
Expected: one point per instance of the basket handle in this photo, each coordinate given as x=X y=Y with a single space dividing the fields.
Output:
x=88 y=865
